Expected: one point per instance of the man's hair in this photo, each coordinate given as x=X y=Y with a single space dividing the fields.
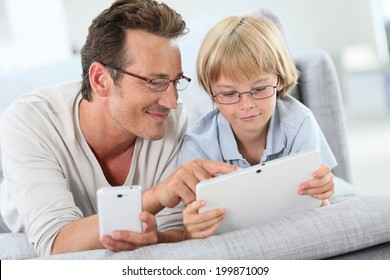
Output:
x=245 y=47
x=106 y=38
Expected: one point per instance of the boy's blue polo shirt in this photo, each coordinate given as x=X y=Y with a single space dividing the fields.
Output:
x=292 y=129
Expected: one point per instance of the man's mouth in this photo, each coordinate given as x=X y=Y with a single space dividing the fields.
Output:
x=158 y=116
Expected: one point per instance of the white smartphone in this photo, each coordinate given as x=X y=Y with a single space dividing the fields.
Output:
x=119 y=209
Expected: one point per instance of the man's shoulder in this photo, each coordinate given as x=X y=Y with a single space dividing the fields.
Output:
x=46 y=104
x=53 y=97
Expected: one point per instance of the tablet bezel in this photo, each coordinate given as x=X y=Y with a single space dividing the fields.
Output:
x=248 y=204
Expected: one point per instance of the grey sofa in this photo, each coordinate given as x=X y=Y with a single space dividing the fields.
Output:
x=355 y=226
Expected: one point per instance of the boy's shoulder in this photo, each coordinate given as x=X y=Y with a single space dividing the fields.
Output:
x=206 y=124
x=290 y=107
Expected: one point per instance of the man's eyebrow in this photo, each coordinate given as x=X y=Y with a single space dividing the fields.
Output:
x=165 y=76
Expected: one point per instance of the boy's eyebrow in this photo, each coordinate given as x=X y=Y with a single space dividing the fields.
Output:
x=228 y=86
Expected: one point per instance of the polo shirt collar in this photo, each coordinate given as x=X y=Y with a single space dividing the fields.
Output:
x=227 y=140
x=275 y=137
x=228 y=143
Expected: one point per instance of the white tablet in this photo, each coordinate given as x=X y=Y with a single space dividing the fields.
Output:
x=262 y=192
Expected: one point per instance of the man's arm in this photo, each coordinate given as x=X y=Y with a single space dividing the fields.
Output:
x=78 y=236
x=83 y=235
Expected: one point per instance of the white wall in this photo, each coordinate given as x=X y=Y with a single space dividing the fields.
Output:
x=36 y=33
x=331 y=25
x=43 y=32
x=310 y=24
x=80 y=15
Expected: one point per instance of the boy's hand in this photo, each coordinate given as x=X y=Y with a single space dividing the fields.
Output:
x=201 y=225
x=321 y=186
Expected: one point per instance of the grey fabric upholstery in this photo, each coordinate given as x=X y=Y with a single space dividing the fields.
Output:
x=322 y=233
x=355 y=221
x=15 y=246
x=319 y=89
x=378 y=252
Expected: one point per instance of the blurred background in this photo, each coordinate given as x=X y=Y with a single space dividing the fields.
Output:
x=40 y=41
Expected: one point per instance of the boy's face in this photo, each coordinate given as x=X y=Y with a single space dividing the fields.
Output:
x=248 y=117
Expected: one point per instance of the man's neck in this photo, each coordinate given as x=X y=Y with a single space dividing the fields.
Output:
x=104 y=139
x=112 y=148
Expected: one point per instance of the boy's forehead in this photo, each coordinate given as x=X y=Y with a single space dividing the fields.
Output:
x=242 y=75
x=225 y=78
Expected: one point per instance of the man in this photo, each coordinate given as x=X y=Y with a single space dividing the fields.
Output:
x=121 y=126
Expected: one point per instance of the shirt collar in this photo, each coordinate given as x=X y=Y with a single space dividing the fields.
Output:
x=275 y=139
x=227 y=140
x=228 y=143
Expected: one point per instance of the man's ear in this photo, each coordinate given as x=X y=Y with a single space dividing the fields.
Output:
x=99 y=78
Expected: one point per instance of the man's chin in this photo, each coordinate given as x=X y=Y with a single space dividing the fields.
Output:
x=151 y=133
x=154 y=136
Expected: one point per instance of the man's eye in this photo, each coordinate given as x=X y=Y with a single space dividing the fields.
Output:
x=157 y=82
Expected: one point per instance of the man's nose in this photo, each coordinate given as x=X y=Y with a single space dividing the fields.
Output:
x=169 y=97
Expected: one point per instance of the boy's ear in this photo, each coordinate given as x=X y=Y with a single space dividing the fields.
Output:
x=280 y=86
x=99 y=79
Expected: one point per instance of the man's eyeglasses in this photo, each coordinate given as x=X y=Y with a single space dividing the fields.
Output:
x=158 y=84
x=257 y=93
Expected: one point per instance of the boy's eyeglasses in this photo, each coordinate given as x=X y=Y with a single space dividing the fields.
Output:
x=257 y=93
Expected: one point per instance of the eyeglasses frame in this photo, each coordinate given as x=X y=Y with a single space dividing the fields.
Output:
x=245 y=92
x=149 y=81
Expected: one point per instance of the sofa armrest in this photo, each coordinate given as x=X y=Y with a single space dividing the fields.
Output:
x=347 y=226
x=319 y=89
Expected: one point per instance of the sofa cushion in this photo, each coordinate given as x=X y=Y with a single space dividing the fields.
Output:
x=347 y=226
x=378 y=252
x=354 y=221
x=15 y=246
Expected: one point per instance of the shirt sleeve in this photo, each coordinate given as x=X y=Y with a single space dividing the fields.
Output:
x=309 y=136
x=191 y=149
x=38 y=199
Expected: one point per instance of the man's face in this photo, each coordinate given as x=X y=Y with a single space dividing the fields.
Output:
x=133 y=107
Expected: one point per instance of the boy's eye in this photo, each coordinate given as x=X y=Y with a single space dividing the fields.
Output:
x=258 y=89
x=230 y=94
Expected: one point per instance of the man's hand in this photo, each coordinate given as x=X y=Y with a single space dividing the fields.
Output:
x=180 y=186
x=122 y=240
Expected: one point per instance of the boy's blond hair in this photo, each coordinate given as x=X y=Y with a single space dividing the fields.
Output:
x=245 y=47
